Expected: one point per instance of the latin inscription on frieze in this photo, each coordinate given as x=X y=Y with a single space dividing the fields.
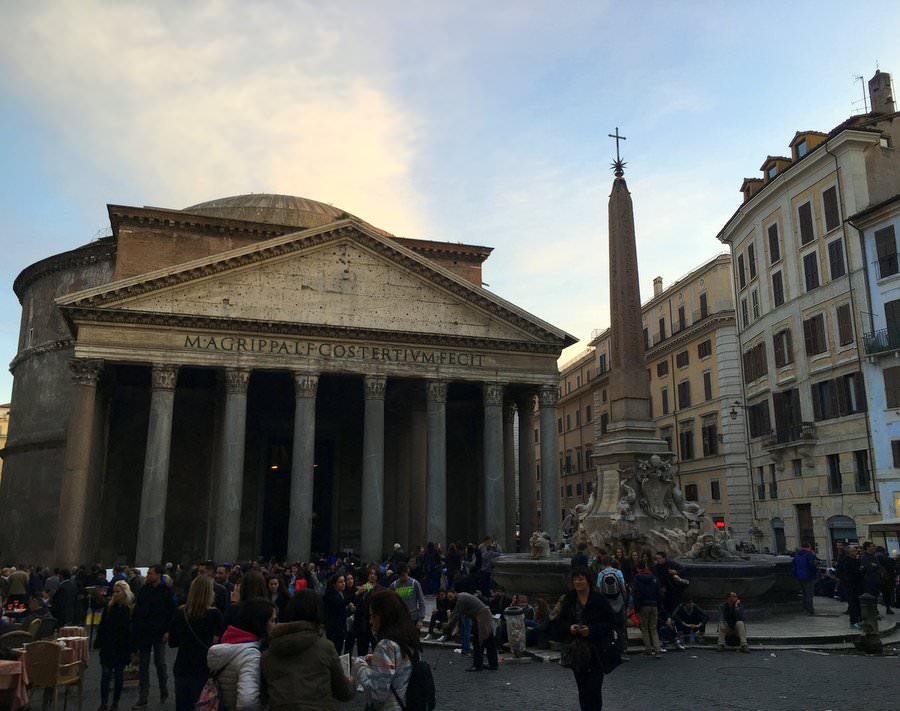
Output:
x=298 y=349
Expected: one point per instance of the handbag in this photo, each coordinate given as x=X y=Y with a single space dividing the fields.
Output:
x=576 y=655
x=210 y=698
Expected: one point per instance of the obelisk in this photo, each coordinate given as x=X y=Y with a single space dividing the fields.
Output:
x=631 y=434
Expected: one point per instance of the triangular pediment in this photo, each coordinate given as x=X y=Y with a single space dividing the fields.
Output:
x=341 y=276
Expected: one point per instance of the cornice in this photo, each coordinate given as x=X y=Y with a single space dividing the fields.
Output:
x=76 y=315
x=299 y=241
x=101 y=250
x=42 y=349
x=707 y=325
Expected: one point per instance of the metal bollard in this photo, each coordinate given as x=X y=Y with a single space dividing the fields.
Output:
x=515 y=630
x=869 y=641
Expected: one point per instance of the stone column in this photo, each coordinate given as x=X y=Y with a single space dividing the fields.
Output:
x=231 y=478
x=155 y=484
x=77 y=481
x=494 y=491
x=418 y=466
x=509 y=475
x=550 y=514
x=303 y=462
x=527 y=471
x=372 y=544
x=436 y=455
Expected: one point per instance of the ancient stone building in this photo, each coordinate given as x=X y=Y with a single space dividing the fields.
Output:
x=267 y=375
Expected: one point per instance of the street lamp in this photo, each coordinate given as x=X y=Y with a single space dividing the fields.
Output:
x=734 y=413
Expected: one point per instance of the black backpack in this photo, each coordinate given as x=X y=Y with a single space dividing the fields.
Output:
x=420 y=690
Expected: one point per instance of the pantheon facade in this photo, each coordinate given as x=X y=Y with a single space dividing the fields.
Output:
x=267 y=375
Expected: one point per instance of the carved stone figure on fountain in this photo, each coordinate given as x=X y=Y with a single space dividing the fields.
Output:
x=539 y=545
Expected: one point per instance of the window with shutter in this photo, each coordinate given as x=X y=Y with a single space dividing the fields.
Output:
x=682 y=321
x=751 y=260
x=704 y=349
x=684 y=394
x=814 y=335
x=886 y=248
x=742 y=277
x=745 y=312
x=892 y=386
x=754 y=300
x=836 y=259
x=829 y=201
x=778 y=343
x=804 y=214
x=774 y=245
x=845 y=325
x=704 y=307
x=895 y=451
x=777 y=289
x=811 y=271
x=892 y=318
x=707 y=385
x=662 y=368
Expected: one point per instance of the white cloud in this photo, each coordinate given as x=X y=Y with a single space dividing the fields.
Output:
x=246 y=105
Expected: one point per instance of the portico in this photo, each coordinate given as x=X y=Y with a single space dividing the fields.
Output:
x=325 y=389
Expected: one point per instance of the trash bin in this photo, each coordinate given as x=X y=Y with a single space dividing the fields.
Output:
x=515 y=630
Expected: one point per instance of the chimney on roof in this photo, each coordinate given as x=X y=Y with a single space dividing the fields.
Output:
x=881 y=96
x=657 y=286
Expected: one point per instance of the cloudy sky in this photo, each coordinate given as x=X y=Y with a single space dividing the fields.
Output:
x=479 y=122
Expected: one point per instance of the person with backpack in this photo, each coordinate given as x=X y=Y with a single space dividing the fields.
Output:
x=235 y=662
x=613 y=589
x=806 y=569
x=195 y=627
x=394 y=677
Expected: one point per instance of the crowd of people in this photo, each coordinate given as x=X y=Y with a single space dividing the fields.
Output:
x=272 y=635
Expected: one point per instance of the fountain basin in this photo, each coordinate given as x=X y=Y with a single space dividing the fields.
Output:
x=519 y=573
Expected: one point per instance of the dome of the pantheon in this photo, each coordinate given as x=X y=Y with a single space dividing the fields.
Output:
x=271 y=209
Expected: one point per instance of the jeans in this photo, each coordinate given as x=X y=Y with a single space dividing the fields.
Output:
x=590 y=689
x=465 y=634
x=158 y=648
x=107 y=674
x=649 y=619
x=806 y=587
x=187 y=691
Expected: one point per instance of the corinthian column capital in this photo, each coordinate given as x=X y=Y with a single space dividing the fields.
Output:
x=163 y=376
x=85 y=371
x=548 y=395
x=305 y=384
x=436 y=390
x=236 y=380
x=493 y=394
x=375 y=385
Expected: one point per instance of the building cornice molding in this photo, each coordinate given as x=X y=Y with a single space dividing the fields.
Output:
x=79 y=315
x=100 y=251
x=708 y=325
x=42 y=349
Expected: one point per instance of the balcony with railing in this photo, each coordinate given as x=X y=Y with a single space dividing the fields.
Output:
x=802 y=433
x=882 y=340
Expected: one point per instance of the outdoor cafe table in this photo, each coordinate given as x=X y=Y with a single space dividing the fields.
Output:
x=72 y=631
x=13 y=684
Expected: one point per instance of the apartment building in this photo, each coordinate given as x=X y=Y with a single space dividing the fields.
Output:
x=693 y=366
x=800 y=289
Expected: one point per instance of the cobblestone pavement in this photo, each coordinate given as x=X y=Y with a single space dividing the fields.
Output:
x=695 y=679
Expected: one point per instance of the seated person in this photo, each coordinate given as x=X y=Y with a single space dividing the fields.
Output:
x=665 y=629
x=690 y=621
x=536 y=629
x=37 y=609
x=732 y=622
x=440 y=612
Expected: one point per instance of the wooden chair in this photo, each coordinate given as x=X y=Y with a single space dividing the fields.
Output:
x=33 y=627
x=42 y=661
x=15 y=639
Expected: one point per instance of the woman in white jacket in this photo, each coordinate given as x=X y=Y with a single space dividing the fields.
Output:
x=236 y=660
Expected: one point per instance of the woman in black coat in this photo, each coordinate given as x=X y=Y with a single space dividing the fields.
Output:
x=114 y=642
x=195 y=627
x=585 y=613
x=336 y=612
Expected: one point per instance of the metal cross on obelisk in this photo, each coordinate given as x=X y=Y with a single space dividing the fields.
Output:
x=619 y=166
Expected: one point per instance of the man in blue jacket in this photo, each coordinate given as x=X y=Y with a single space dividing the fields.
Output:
x=806 y=569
